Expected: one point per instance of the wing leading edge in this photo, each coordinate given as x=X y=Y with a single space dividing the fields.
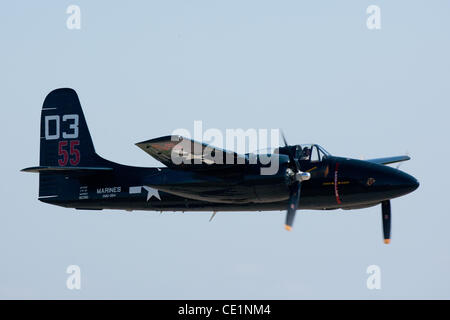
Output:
x=389 y=160
x=181 y=153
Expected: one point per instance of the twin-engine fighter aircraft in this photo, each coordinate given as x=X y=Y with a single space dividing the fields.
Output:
x=72 y=175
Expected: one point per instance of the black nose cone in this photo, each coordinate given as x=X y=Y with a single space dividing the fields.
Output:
x=391 y=183
x=404 y=183
x=410 y=183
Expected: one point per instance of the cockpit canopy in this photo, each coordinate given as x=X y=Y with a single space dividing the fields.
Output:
x=304 y=152
x=313 y=153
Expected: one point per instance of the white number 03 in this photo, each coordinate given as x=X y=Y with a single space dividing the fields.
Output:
x=73 y=127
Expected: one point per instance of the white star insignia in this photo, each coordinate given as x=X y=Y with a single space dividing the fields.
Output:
x=151 y=193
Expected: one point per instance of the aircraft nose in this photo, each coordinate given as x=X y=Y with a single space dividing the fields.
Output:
x=390 y=183
x=410 y=182
x=404 y=183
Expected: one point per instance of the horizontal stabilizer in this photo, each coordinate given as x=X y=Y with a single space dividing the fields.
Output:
x=48 y=169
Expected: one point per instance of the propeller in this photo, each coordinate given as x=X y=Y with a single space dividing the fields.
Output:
x=386 y=217
x=294 y=197
x=295 y=179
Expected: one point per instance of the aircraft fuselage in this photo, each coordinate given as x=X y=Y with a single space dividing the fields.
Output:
x=336 y=183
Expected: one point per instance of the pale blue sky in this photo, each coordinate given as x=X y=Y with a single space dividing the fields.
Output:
x=145 y=69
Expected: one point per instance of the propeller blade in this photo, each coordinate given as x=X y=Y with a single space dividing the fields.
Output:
x=284 y=139
x=294 y=197
x=386 y=217
x=291 y=151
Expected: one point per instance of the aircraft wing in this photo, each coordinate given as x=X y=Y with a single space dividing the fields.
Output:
x=178 y=152
x=389 y=160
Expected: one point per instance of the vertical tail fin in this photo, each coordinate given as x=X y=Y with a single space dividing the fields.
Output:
x=65 y=138
x=65 y=147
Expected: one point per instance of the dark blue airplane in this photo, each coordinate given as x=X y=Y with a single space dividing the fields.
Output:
x=72 y=175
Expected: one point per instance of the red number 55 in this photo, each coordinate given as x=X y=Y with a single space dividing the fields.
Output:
x=75 y=153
